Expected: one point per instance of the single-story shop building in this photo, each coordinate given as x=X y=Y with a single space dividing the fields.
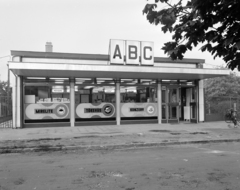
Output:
x=127 y=85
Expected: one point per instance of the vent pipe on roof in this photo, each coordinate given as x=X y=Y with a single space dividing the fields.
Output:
x=48 y=47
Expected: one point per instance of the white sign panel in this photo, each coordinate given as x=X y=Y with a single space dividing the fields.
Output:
x=147 y=57
x=57 y=90
x=133 y=52
x=117 y=52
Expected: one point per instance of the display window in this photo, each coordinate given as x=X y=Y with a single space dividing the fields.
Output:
x=95 y=102
x=138 y=99
x=46 y=100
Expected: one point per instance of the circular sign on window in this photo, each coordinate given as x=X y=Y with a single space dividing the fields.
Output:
x=108 y=110
x=62 y=111
x=150 y=110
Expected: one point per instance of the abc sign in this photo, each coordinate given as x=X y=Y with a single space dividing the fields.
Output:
x=131 y=52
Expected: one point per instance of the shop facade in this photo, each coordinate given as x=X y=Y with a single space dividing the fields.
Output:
x=127 y=86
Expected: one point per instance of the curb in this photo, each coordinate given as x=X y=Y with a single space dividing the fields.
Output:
x=47 y=148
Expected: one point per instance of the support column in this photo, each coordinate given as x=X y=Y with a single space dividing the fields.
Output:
x=118 y=100
x=18 y=102
x=14 y=104
x=72 y=102
x=201 y=101
x=159 y=100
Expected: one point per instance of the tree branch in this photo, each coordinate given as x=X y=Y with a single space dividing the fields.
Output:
x=174 y=6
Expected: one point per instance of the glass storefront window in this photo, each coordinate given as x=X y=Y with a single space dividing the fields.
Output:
x=95 y=103
x=94 y=94
x=138 y=94
x=193 y=111
x=193 y=94
x=95 y=98
x=46 y=100
x=172 y=112
x=46 y=94
x=46 y=104
x=138 y=102
x=132 y=94
x=103 y=94
x=164 y=112
x=173 y=95
x=164 y=96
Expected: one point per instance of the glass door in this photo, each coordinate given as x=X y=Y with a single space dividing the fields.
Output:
x=193 y=105
x=173 y=104
x=164 y=105
x=170 y=104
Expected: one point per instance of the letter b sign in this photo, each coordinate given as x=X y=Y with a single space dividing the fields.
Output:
x=132 y=52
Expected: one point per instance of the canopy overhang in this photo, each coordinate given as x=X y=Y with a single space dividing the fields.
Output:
x=32 y=69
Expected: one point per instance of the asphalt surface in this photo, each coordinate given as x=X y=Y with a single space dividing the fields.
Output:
x=114 y=137
x=211 y=166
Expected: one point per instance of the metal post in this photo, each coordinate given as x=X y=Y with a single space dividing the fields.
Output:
x=8 y=93
x=159 y=100
x=72 y=102
x=18 y=102
x=117 y=94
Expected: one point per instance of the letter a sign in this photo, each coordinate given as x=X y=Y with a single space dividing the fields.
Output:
x=117 y=52
x=131 y=52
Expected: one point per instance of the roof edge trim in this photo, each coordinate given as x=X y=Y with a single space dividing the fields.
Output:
x=100 y=57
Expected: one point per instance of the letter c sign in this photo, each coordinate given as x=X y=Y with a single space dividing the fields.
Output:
x=147 y=53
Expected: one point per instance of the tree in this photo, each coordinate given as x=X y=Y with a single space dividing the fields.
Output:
x=3 y=88
x=228 y=86
x=221 y=93
x=215 y=24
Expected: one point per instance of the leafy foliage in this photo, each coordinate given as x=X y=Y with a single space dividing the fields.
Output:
x=228 y=86
x=221 y=93
x=3 y=87
x=214 y=23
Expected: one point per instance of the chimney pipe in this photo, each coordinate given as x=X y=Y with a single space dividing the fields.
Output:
x=48 y=47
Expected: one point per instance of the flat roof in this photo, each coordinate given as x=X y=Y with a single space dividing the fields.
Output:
x=33 y=69
x=100 y=57
x=58 y=68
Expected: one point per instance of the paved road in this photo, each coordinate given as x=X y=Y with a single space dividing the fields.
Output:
x=101 y=137
x=201 y=166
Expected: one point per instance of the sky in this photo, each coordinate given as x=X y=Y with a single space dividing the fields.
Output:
x=78 y=26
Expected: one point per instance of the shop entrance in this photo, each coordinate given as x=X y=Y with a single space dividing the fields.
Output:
x=170 y=104
x=188 y=104
x=173 y=104
x=179 y=103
